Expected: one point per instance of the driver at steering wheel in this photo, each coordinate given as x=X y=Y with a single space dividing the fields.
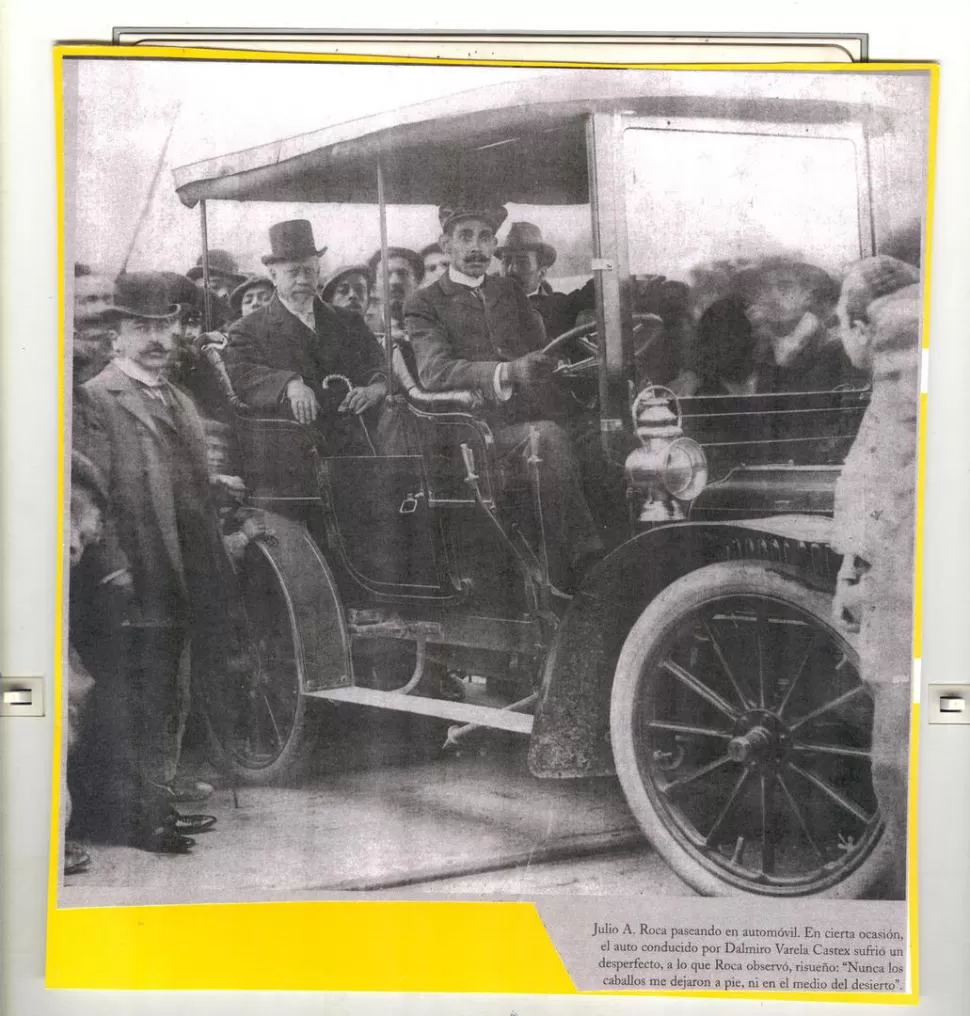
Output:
x=471 y=330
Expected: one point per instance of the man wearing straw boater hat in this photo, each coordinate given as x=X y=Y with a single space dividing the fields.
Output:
x=162 y=542
x=280 y=355
x=475 y=331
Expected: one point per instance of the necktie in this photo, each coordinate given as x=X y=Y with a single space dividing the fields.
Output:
x=159 y=393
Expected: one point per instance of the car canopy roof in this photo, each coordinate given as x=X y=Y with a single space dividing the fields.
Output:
x=522 y=141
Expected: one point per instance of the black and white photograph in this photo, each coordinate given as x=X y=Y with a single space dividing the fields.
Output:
x=490 y=482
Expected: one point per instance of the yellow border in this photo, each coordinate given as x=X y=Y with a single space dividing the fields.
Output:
x=372 y=945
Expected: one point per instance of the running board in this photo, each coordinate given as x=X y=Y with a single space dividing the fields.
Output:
x=459 y=712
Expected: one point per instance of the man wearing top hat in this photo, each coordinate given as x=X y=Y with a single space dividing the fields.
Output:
x=476 y=331
x=526 y=257
x=279 y=356
x=146 y=438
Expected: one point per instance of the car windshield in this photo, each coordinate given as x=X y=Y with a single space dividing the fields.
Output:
x=757 y=222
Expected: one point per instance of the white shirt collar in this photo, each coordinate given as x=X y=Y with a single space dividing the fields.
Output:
x=137 y=373
x=461 y=279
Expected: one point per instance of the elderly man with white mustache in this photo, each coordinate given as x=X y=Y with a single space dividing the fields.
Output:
x=279 y=356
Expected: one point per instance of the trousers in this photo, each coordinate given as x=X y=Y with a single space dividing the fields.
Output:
x=572 y=535
x=130 y=749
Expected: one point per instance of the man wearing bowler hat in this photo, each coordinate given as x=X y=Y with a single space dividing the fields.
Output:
x=224 y=274
x=279 y=356
x=146 y=438
x=526 y=257
x=476 y=331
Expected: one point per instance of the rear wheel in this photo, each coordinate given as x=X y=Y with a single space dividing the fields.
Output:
x=261 y=728
x=741 y=732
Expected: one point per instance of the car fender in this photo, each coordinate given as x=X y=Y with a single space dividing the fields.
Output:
x=570 y=735
x=320 y=638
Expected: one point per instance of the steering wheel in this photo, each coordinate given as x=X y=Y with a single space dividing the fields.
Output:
x=647 y=329
x=584 y=337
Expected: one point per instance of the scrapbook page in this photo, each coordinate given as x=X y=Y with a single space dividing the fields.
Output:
x=490 y=515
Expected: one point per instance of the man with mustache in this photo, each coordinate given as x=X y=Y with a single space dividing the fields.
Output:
x=476 y=331
x=145 y=437
x=279 y=356
x=526 y=257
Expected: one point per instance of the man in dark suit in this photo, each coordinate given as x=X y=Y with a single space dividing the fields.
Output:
x=525 y=256
x=475 y=331
x=280 y=356
x=146 y=438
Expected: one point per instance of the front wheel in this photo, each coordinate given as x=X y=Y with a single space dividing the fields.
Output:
x=261 y=727
x=741 y=733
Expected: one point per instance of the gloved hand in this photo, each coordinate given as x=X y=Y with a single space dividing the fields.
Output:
x=531 y=369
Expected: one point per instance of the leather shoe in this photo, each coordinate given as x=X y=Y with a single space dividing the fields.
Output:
x=192 y=825
x=163 y=839
x=76 y=859
x=184 y=791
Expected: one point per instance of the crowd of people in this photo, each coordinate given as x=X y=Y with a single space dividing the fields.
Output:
x=158 y=512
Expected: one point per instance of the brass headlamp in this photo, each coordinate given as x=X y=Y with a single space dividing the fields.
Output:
x=668 y=470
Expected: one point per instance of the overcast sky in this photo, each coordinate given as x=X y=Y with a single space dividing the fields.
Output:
x=684 y=205
x=126 y=108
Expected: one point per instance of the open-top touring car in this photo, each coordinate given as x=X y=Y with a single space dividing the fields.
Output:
x=698 y=660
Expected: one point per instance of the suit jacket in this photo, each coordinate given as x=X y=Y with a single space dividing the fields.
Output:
x=459 y=340
x=271 y=346
x=132 y=445
x=560 y=310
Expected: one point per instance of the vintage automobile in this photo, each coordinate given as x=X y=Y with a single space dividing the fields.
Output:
x=698 y=661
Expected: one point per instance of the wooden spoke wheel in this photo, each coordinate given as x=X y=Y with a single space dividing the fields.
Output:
x=741 y=732
x=260 y=728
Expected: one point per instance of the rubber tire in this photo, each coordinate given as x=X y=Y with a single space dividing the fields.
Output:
x=306 y=733
x=729 y=578
x=293 y=762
